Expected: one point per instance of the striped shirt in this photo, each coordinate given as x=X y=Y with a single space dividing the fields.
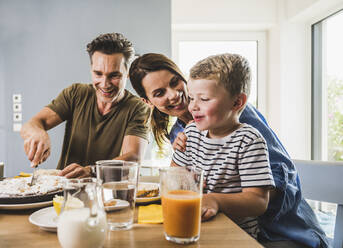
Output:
x=239 y=160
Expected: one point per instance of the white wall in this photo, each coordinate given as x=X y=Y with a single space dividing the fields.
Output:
x=311 y=11
x=294 y=7
x=223 y=14
x=293 y=122
x=287 y=24
x=289 y=87
x=292 y=106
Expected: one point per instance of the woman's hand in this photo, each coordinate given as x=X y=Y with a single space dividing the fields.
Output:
x=180 y=142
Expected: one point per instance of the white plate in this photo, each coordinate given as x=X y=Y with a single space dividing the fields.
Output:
x=120 y=204
x=45 y=218
x=26 y=205
x=148 y=199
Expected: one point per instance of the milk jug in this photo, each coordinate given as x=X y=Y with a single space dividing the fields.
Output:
x=82 y=222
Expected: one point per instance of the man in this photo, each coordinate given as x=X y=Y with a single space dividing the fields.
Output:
x=103 y=120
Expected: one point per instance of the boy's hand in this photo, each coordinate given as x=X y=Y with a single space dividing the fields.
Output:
x=180 y=142
x=209 y=207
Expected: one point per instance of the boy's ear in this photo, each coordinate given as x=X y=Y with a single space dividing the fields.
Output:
x=147 y=102
x=240 y=101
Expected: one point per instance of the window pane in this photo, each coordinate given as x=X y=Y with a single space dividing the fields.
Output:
x=333 y=82
x=326 y=214
x=191 y=52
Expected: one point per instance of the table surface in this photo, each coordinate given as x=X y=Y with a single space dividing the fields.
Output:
x=17 y=231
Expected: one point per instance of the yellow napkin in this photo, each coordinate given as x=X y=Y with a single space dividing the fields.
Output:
x=23 y=174
x=150 y=214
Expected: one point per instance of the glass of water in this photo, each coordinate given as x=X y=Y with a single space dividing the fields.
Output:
x=119 y=191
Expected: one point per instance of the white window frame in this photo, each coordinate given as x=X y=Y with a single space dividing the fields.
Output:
x=259 y=36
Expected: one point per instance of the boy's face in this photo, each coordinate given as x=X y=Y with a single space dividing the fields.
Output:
x=211 y=106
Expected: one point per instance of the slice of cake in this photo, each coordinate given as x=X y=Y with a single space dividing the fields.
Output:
x=148 y=190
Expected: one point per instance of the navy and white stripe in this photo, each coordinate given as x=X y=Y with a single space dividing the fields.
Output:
x=239 y=160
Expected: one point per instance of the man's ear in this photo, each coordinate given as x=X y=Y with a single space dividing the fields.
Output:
x=240 y=101
x=147 y=102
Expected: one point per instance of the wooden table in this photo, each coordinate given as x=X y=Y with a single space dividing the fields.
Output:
x=17 y=231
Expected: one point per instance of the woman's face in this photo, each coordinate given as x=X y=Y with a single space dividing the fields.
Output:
x=167 y=92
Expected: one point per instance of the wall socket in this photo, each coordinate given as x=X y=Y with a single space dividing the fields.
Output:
x=17 y=117
x=17 y=107
x=17 y=112
x=16 y=98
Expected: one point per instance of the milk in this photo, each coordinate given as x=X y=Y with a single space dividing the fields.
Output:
x=73 y=231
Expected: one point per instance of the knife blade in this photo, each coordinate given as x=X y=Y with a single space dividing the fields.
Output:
x=34 y=174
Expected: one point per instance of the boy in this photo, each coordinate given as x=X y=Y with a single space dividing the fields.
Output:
x=233 y=155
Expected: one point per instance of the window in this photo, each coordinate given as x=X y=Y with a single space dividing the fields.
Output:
x=190 y=52
x=327 y=103
x=327 y=85
x=190 y=47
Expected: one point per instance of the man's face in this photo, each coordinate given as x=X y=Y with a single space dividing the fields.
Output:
x=109 y=76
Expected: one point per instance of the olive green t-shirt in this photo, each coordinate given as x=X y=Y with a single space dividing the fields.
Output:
x=90 y=136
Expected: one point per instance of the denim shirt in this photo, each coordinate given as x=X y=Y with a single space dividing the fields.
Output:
x=288 y=216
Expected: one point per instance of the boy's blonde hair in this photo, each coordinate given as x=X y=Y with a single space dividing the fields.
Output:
x=230 y=70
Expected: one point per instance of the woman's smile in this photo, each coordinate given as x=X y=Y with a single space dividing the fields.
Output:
x=180 y=104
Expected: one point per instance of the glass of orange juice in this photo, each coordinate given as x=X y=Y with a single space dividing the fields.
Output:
x=181 y=193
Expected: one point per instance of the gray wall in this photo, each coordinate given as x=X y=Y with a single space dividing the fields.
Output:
x=42 y=50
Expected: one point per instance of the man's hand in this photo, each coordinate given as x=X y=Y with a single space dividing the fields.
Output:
x=35 y=136
x=76 y=171
x=209 y=207
x=180 y=142
x=37 y=146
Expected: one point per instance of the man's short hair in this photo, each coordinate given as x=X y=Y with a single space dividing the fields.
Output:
x=112 y=43
x=230 y=70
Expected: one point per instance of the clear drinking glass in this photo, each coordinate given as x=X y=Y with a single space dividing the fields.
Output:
x=2 y=165
x=181 y=192
x=82 y=221
x=119 y=189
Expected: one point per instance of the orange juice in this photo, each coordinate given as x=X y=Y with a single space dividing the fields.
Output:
x=181 y=213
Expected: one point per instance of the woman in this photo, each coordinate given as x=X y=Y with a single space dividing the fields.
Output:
x=289 y=221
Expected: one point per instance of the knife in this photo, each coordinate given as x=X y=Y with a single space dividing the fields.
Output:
x=34 y=174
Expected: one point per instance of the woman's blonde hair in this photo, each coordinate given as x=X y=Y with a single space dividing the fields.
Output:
x=230 y=70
